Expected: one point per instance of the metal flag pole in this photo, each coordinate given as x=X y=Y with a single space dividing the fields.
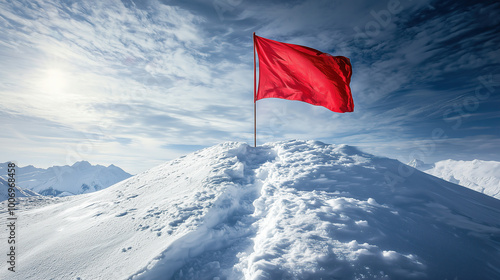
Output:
x=254 y=96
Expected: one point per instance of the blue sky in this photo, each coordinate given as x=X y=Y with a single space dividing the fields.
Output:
x=136 y=83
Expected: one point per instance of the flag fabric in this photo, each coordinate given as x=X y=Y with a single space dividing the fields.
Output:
x=295 y=72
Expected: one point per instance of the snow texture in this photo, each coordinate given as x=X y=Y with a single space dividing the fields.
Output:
x=81 y=177
x=286 y=210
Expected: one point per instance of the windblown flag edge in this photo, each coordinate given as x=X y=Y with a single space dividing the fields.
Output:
x=295 y=72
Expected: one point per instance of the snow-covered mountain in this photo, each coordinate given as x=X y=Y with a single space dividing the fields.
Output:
x=4 y=195
x=479 y=175
x=420 y=165
x=286 y=210
x=81 y=177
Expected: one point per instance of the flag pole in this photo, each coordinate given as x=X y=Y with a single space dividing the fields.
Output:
x=254 y=96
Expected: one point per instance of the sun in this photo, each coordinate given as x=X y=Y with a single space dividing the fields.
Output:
x=54 y=81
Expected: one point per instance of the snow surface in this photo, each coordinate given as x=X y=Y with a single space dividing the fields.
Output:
x=286 y=210
x=479 y=175
x=81 y=177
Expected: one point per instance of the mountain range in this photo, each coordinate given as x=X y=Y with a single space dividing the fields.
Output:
x=79 y=178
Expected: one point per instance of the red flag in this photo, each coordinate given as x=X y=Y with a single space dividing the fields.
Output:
x=300 y=73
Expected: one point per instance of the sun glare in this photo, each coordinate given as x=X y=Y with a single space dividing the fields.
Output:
x=55 y=81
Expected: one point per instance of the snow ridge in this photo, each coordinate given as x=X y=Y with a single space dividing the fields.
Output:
x=227 y=224
x=305 y=231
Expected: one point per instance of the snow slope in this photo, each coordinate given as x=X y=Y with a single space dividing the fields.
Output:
x=286 y=210
x=479 y=175
x=81 y=177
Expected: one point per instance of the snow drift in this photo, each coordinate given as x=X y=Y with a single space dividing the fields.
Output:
x=287 y=210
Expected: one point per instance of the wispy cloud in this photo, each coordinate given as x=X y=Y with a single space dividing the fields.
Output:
x=117 y=81
x=137 y=71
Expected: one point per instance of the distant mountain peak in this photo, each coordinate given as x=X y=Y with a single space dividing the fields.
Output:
x=82 y=164
x=420 y=165
x=415 y=162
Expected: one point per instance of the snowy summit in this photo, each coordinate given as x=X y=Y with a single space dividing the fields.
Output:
x=286 y=210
